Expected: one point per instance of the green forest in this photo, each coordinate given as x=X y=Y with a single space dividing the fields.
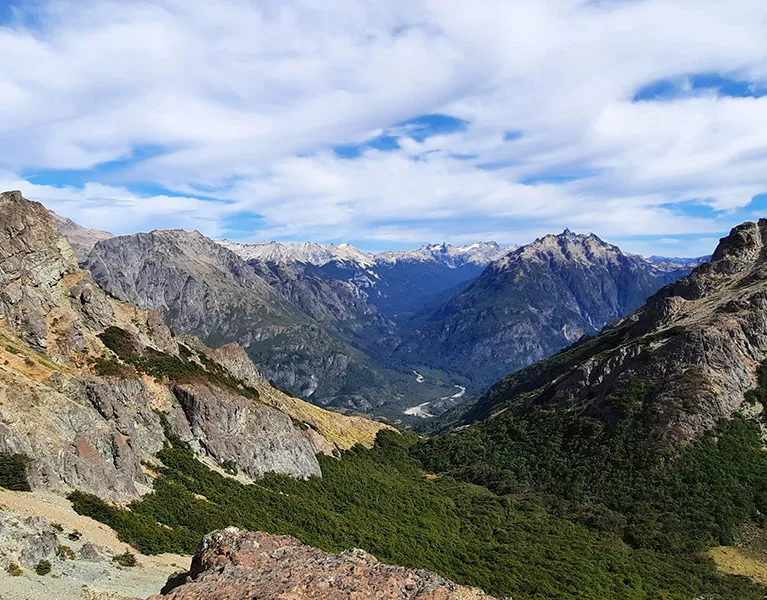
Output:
x=381 y=500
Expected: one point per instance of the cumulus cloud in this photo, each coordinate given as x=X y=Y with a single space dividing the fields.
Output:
x=241 y=104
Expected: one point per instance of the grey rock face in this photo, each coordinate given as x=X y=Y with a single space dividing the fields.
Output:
x=531 y=303
x=95 y=433
x=257 y=438
x=34 y=259
x=340 y=306
x=204 y=289
x=25 y=541
x=699 y=339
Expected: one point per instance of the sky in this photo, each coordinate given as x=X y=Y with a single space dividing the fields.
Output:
x=391 y=124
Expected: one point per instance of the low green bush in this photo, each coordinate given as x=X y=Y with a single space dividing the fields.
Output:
x=13 y=471
x=43 y=567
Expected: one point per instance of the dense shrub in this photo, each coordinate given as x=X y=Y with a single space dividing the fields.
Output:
x=119 y=341
x=380 y=500
x=662 y=499
x=126 y=559
x=13 y=471
x=189 y=367
x=43 y=567
x=65 y=553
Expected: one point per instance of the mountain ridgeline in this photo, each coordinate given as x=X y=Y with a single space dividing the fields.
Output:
x=531 y=303
x=607 y=470
x=399 y=334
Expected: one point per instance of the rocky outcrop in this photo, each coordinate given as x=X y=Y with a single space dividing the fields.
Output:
x=531 y=303
x=34 y=260
x=237 y=565
x=233 y=430
x=89 y=421
x=699 y=341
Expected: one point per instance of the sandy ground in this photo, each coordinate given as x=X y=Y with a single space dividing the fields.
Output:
x=107 y=581
x=737 y=561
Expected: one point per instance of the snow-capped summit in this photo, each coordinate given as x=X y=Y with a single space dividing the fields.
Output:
x=480 y=253
x=305 y=252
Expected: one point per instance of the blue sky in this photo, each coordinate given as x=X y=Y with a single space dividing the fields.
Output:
x=393 y=124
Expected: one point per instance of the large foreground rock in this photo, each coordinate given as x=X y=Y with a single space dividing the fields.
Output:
x=237 y=565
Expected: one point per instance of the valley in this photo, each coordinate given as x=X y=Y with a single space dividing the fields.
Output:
x=342 y=328
x=614 y=468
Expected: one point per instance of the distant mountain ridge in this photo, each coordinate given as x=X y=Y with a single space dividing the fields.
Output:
x=479 y=253
x=531 y=303
x=343 y=327
x=311 y=253
x=305 y=252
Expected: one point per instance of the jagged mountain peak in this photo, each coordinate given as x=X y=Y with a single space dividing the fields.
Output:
x=311 y=253
x=478 y=253
x=565 y=247
x=701 y=339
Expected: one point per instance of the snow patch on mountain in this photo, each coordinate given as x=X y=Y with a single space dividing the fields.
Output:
x=304 y=252
x=479 y=253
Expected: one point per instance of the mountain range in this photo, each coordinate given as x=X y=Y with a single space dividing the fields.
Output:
x=404 y=334
x=626 y=465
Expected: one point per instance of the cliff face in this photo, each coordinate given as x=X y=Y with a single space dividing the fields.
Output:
x=204 y=289
x=89 y=420
x=340 y=306
x=531 y=303
x=235 y=565
x=699 y=340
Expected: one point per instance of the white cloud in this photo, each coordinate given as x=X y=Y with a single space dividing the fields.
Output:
x=246 y=98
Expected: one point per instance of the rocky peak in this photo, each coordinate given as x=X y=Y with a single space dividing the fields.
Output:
x=479 y=254
x=742 y=248
x=565 y=247
x=237 y=565
x=739 y=254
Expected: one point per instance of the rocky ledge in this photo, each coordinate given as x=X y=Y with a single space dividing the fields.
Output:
x=237 y=565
